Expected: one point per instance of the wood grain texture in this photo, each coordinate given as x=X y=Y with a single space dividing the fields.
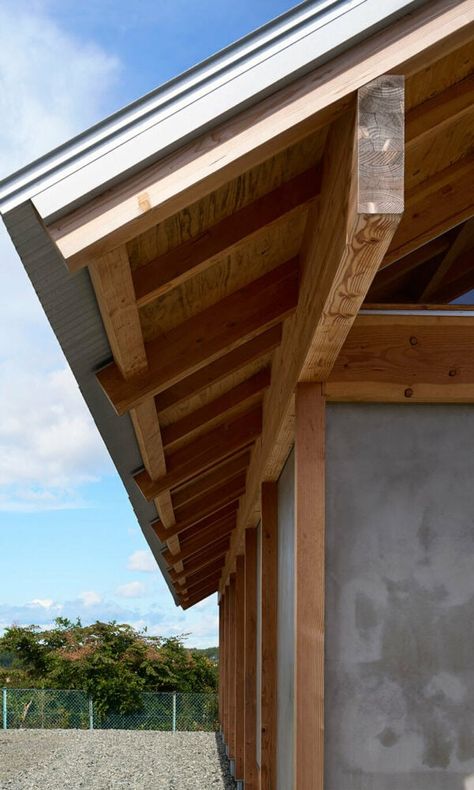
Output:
x=255 y=135
x=406 y=359
x=251 y=774
x=204 y=338
x=381 y=146
x=198 y=254
x=223 y=368
x=310 y=586
x=239 y=666
x=269 y=635
x=238 y=398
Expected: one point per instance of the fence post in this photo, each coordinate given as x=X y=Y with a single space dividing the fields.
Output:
x=174 y=711
x=4 y=709
x=91 y=714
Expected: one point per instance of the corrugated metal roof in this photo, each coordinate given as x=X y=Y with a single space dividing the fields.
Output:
x=165 y=119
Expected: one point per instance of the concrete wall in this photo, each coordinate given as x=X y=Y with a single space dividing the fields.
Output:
x=286 y=625
x=400 y=598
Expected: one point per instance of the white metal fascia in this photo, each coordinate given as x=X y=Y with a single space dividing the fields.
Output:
x=199 y=99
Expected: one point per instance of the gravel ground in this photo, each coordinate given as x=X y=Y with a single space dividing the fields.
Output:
x=60 y=759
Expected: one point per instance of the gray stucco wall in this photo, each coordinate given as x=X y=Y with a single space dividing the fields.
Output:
x=400 y=598
x=286 y=625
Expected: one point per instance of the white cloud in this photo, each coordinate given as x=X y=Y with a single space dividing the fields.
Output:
x=142 y=561
x=131 y=590
x=51 y=87
x=90 y=598
x=199 y=624
x=43 y=603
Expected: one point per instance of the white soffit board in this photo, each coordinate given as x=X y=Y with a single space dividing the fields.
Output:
x=200 y=98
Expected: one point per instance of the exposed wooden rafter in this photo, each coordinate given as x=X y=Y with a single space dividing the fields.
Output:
x=211 y=502
x=198 y=254
x=212 y=479
x=113 y=287
x=214 y=412
x=454 y=275
x=204 y=452
x=205 y=337
x=229 y=363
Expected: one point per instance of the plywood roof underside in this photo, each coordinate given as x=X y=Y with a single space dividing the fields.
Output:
x=206 y=292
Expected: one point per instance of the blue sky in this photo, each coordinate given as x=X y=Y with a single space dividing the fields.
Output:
x=69 y=543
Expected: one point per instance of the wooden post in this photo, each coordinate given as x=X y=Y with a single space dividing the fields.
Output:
x=231 y=684
x=310 y=586
x=239 y=666
x=221 y=660
x=250 y=662
x=226 y=664
x=269 y=635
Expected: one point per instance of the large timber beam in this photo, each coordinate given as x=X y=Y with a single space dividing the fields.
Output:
x=258 y=133
x=206 y=336
x=400 y=358
x=360 y=208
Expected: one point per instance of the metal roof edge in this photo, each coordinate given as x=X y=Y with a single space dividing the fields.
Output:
x=201 y=97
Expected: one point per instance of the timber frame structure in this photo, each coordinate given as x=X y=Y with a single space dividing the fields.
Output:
x=306 y=247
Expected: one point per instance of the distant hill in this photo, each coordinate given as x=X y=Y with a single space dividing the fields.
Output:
x=210 y=652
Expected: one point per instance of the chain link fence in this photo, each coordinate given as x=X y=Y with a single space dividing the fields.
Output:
x=57 y=709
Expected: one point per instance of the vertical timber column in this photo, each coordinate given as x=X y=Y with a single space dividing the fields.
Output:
x=226 y=664
x=231 y=686
x=250 y=662
x=269 y=635
x=239 y=666
x=310 y=586
x=221 y=662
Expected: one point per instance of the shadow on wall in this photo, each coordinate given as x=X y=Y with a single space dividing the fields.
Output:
x=469 y=783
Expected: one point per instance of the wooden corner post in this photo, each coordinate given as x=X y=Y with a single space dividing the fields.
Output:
x=231 y=669
x=269 y=635
x=239 y=666
x=361 y=204
x=310 y=586
x=250 y=664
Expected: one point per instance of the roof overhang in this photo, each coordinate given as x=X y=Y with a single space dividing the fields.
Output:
x=92 y=208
